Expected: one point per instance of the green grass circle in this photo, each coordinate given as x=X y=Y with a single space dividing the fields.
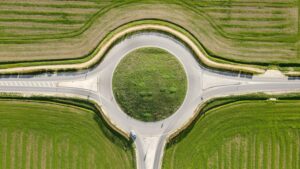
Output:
x=149 y=84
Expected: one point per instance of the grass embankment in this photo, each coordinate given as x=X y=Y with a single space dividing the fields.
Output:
x=149 y=84
x=242 y=134
x=252 y=32
x=46 y=134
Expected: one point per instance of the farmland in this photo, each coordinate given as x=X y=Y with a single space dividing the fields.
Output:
x=54 y=135
x=242 y=134
x=41 y=130
x=149 y=84
x=252 y=32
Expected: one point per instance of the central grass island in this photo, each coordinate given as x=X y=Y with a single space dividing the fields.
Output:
x=149 y=84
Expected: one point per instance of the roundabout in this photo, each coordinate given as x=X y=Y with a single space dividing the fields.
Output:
x=113 y=58
x=96 y=85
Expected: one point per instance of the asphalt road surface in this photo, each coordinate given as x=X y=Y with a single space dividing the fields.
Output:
x=203 y=84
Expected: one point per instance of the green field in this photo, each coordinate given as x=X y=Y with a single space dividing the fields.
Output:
x=48 y=135
x=149 y=84
x=241 y=135
x=251 y=31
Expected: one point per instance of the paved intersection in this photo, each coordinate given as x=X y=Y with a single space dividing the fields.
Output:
x=96 y=84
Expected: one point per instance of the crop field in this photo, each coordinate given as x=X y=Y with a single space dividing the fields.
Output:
x=251 y=31
x=47 y=135
x=241 y=135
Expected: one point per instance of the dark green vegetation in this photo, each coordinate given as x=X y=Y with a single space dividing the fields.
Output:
x=245 y=134
x=149 y=84
x=47 y=135
x=254 y=32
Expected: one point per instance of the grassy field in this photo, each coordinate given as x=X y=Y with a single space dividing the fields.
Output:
x=255 y=134
x=47 y=135
x=252 y=31
x=149 y=84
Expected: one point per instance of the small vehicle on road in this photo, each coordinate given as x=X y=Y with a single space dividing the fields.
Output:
x=132 y=135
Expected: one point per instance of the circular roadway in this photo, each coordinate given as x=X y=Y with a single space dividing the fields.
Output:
x=112 y=59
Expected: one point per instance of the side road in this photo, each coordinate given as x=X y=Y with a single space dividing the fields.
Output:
x=142 y=27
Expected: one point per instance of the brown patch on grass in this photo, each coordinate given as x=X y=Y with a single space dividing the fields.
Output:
x=35 y=152
x=48 y=9
x=44 y=155
x=290 y=156
x=253 y=151
x=66 y=153
x=245 y=153
x=297 y=151
x=74 y=157
x=59 y=154
x=173 y=157
x=91 y=160
x=4 y=148
x=51 y=2
x=260 y=156
x=50 y=154
x=277 y=155
x=223 y=157
x=28 y=25
x=28 y=151
x=237 y=143
x=212 y=160
x=219 y=159
x=20 y=149
x=229 y=155
x=283 y=153
x=270 y=154
x=13 y=150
